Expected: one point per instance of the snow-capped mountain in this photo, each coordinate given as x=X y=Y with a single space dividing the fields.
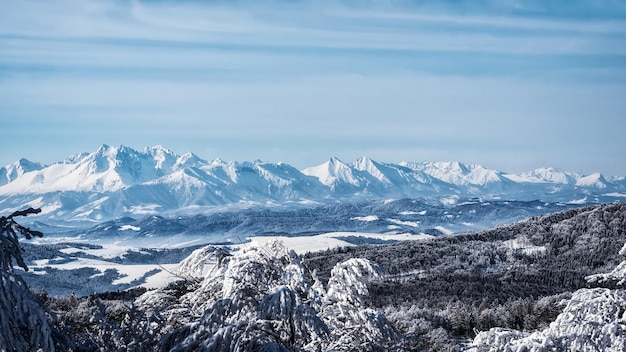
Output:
x=17 y=169
x=456 y=173
x=118 y=181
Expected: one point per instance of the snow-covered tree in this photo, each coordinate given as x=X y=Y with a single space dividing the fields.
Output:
x=194 y=265
x=344 y=310
x=262 y=298
x=592 y=320
x=23 y=324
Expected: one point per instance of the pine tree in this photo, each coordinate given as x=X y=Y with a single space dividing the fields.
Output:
x=23 y=324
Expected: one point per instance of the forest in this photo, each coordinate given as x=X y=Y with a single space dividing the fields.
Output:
x=441 y=294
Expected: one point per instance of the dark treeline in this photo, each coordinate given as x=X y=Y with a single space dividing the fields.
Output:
x=441 y=291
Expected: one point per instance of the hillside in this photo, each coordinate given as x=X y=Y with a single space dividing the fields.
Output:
x=512 y=276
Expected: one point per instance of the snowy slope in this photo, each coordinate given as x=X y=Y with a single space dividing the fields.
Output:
x=592 y=320
x=550 y=175
x=119 y=181
x=457 y=173
x=337 y=175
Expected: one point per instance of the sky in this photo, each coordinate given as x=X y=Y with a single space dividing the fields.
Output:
x=512 y=85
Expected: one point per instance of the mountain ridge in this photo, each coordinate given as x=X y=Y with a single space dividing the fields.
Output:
x=118 y=181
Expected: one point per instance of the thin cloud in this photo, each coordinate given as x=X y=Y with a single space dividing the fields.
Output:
x=214 y=25
x=617 y=26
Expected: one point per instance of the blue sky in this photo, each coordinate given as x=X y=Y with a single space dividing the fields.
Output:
x=512 y=85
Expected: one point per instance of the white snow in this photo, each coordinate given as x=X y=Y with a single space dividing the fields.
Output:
x=70 y=250
x=109 y=249
x=330 y=240
x=333 y=172
x=373 y=168
x=616 y=194
x=302 y=244
x=129 y=227
x=444 y=230
x=522 y=244
x=144 y=209
x=450 y=200
x=521 y=178
x=578 y=201
x=457 y=173
x=162 y=278
x=593 y=180
x=410 y=212
x=405 y=223
x=365 y=218
x=136 y=271
x=550 y=175
x=129 y=272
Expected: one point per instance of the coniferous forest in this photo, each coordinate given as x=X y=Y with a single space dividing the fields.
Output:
x=483 y=291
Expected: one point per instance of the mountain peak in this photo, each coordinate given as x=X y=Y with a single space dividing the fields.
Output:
x=593 y=180
x=105 y=151
x=157 y=149
x=551 y=175
x=334 y=160
x=332 y=173
x=120 y=179
x=17 y=169
x=25 y=165
x=163 y=157
x=336 y=164
x=218 y=161
x=103 y=147
x=364 y=161
x=188 y=159
x=455 y=166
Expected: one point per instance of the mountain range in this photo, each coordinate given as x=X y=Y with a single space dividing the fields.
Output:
x=120 y=181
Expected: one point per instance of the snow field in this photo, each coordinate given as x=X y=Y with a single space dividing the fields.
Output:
x=156 y=275
x=331 y=240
